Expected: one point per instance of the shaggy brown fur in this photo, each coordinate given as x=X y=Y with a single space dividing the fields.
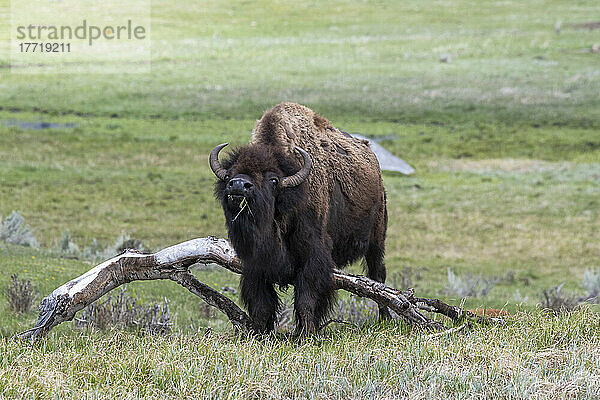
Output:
x=298 y=235
x=337 y=157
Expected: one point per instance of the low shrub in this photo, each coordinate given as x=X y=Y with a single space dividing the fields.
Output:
x=95 y=251
x=469 y=285
x=125 y=312
x=13 y=230
x=20 y=295
x=591 y=283
x=555 y=301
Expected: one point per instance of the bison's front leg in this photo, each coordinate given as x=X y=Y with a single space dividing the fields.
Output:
x=261 y=300
x=313 y=295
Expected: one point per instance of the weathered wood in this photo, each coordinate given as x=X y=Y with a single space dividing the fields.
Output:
x=239 y=319
x=173 y=263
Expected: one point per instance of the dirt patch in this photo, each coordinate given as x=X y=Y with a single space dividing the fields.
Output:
x=586 y=25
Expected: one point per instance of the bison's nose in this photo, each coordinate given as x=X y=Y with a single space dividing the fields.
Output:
x=239 y=187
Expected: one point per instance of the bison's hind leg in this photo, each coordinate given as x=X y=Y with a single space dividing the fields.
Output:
x=376 y=271
x=375 y=265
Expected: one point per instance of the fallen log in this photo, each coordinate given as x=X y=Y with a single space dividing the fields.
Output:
x=173 y=263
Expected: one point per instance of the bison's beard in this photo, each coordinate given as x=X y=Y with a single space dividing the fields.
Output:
x=248 y=221
x=257 y=238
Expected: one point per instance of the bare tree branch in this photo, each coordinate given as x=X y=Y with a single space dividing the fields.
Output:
x=173 y=263
x=239 y=319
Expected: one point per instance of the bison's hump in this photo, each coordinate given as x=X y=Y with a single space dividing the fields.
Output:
x=338 y=158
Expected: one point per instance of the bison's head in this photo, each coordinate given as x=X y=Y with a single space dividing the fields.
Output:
x=257 y=185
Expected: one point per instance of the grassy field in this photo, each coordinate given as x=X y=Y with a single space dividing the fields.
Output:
x=504 y=137
x=533 y=357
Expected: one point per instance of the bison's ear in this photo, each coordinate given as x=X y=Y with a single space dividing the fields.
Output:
x=213 y=160
x=300 y=176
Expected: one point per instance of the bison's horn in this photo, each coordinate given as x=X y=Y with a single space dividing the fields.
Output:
x=219 y=171
x=301 y=175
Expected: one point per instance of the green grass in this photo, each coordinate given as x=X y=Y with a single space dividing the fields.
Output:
x=504 y=138
x=373 y=61
x=532 y=356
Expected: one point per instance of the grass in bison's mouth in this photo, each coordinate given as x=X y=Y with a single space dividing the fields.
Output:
x=243 y=205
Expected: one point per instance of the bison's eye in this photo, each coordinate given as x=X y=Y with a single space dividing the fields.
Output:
x=275 y=181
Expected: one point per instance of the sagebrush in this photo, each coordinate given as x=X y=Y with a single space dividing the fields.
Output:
x=124 y=311
x=95 y=251
x=21 y=294
x=14 y=230
x=469 y=285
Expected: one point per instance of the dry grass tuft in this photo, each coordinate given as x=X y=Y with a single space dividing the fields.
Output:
x=20 y=294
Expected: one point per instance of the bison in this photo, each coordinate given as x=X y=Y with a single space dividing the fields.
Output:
x=302 y=199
